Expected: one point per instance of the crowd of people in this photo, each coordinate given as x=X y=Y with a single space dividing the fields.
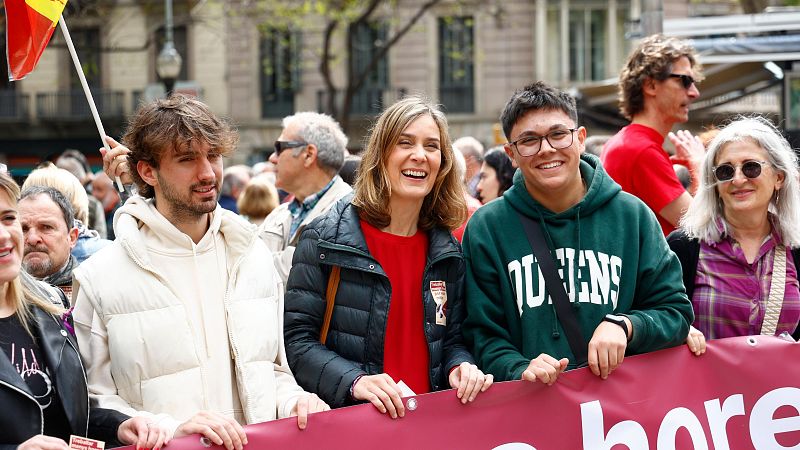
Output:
x=321 y=279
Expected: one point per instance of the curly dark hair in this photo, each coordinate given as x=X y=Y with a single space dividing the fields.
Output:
x=171 y=124
x=653 y=58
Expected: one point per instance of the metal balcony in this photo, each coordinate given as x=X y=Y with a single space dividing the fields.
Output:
x=367 y=101
x=71 y=106
x=14 y=106
x=457 y=99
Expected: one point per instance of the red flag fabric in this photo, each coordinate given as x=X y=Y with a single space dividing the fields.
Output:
x=29 y=26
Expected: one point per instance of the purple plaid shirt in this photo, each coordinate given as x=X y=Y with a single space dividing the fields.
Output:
x=730 y=294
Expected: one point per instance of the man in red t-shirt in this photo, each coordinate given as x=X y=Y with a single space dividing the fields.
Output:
x=657 y=85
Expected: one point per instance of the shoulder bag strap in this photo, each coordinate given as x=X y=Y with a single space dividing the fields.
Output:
x=555 y=287
x=777 y=287
x=330 y=298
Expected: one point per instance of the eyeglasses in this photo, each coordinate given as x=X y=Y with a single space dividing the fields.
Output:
x=750 y=169
x=686 y=80
x=531 y=144
x=280 y=146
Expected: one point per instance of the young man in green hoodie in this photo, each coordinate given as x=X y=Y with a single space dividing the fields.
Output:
x=623 y=283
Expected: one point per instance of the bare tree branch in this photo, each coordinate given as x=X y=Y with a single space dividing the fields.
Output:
x=325 y=65
x=367 y=12
x=355 y=81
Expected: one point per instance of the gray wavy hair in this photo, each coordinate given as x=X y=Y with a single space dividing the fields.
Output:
x=700 y=220
x=325 y=133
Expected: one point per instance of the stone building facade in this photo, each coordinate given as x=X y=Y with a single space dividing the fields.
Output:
x=468 y=55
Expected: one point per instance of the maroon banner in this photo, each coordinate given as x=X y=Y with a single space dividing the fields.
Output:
x=742 y=394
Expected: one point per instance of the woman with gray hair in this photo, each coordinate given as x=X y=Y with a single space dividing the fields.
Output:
x=738 y=242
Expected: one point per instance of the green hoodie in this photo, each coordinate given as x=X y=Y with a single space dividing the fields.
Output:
x=608 y=248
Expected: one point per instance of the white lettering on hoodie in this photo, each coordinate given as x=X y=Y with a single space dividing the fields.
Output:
x=597 y=276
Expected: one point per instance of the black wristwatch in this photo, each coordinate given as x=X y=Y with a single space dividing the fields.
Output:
x=619 y=320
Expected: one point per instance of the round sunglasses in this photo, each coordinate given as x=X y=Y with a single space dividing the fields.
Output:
x=750 y=169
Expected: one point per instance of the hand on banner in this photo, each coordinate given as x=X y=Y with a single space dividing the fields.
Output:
x=115 y=162
x=142 y=432
x=696 y=341
x=42 y=442
x=607 y=348
x=545 y=368
x=381 y=391
x=308 y=404
x=470 y=381
x=217 y=428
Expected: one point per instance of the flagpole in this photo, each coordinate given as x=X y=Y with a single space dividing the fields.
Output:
x=87 y=91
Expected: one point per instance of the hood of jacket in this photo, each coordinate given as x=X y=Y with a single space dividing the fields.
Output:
x=600 y=190
x=138 y=213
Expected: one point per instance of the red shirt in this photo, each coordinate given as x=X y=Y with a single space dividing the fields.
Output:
x=636 y=160
x=472 y=205
x=405 y=349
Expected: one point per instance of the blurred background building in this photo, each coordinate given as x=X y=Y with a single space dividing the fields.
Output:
x=256 y=61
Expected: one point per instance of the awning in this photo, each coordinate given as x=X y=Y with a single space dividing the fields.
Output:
x=734 y=67
x=748 y=49
x=723 y=83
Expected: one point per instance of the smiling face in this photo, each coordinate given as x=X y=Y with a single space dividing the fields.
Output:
x=744 y=195
x=10 y=240
x=413 y=163
x=551 y=176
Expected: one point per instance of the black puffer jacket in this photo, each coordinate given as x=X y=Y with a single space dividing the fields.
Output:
x=356 y=338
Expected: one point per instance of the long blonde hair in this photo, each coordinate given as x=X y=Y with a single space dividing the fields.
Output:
x=22 y=294
x=444 y=206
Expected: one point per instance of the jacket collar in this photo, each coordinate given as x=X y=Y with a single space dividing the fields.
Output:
x=337 y=189
x=70 y=385
x=69 y=380
x=347 y=232
x=137 y=212
x=49 y=343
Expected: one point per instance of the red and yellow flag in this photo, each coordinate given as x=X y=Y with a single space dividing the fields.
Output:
x=29 y=25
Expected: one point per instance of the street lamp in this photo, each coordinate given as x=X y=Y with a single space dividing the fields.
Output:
x=168 y=63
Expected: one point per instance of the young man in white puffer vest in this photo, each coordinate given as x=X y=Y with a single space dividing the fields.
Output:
x=181 y=318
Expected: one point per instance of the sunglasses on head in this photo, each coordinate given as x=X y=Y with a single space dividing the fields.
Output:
x=280 y=146
x=750 y=169
x=686 y=80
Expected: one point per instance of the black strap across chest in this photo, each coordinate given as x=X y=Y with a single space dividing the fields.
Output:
x=555 y=288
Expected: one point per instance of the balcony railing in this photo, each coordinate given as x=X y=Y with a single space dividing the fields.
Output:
x=457 y=99
x=367 y=101
x=72 y=105
x=275 y=105
x=13 y=106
